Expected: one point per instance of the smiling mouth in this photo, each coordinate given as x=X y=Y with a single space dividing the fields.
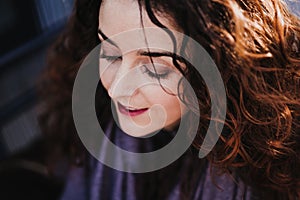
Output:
x=129 y=111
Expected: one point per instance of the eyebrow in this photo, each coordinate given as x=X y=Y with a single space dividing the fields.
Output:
x=143 y=52
x=160 y=54
x=155 y=54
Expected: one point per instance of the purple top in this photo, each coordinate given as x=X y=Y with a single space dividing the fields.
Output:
x=106 y=183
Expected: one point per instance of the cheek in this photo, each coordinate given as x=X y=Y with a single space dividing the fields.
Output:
x=174 y=109
x=170 y=103
x=106 y=75
x=105 y=83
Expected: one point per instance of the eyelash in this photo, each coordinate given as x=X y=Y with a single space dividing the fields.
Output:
x=155 y=75
x=110 y=58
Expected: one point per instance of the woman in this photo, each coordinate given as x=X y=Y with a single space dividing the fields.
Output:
x=255 y=46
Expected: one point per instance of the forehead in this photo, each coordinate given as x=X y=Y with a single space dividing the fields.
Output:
x=118 y=16
x=120 y=20
x=122 y=15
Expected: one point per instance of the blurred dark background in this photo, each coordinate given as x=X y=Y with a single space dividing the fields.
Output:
x=27 y=28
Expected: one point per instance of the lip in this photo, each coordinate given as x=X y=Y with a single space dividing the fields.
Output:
x=130 y=112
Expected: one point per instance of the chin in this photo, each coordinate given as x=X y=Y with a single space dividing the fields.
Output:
x=135 y=130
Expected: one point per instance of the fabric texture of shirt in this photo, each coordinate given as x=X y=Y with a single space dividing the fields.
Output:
x=106 y=183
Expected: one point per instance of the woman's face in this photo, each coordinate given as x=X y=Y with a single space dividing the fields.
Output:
x=143 y=104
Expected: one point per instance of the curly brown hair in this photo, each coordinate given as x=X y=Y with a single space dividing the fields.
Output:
x=256 y=47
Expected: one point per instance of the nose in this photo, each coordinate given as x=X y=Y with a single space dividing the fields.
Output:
x=124 y=83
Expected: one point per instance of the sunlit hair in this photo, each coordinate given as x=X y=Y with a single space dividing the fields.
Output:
x=256 y=46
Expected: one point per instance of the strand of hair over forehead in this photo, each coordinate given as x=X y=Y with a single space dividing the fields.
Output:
x=155 y=21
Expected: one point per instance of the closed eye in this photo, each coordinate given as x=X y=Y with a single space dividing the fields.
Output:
x=152 y=74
